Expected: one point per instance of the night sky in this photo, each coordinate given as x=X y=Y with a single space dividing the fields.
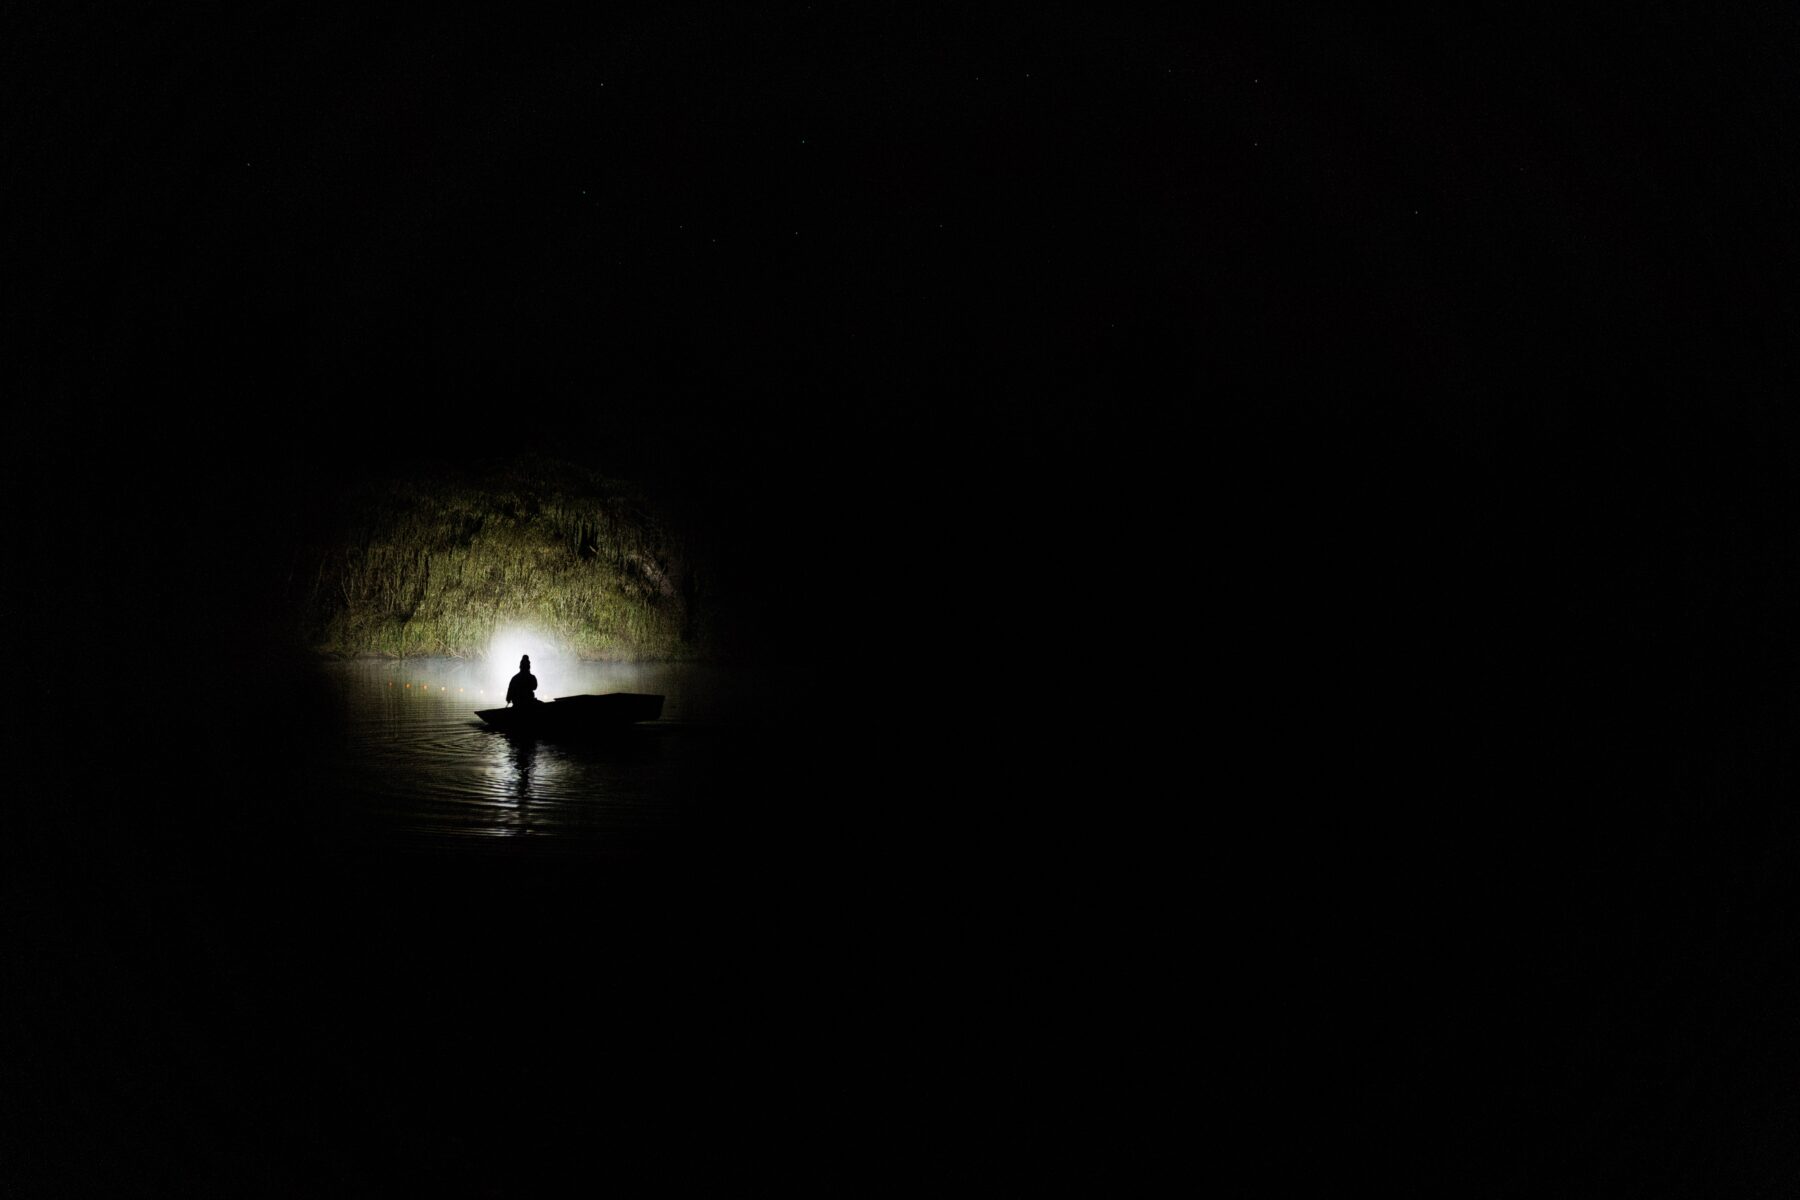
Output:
x=816 y=226
x=1355 y=455
x=862 y=274
x=720 y=236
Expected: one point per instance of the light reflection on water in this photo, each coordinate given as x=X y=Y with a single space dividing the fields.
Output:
x=414 y=761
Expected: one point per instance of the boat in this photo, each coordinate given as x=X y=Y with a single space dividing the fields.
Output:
x=569 y=716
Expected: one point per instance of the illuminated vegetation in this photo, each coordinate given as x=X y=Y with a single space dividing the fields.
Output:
x=435 y=567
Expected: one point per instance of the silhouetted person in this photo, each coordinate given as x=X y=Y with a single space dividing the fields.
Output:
x=523 y=688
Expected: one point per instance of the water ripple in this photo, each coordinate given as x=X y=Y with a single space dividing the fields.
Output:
x=415 y=763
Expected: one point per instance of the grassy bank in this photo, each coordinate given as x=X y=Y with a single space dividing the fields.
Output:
x=434 y=566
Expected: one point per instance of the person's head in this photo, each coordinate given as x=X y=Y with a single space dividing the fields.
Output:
x=525 y=662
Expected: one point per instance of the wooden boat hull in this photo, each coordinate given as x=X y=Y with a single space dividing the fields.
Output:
x=569 y=716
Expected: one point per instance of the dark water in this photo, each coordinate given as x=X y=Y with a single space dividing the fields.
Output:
x=341 y=939
x=407 y=763
x=333 y=936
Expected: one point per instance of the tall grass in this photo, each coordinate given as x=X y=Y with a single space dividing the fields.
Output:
x=436 y=566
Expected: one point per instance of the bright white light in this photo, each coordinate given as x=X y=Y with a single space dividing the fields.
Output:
x=548 y=661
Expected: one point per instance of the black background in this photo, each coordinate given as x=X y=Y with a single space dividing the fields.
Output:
x=1352 y=459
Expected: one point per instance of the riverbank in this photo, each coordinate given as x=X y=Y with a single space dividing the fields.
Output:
x=410 y=566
